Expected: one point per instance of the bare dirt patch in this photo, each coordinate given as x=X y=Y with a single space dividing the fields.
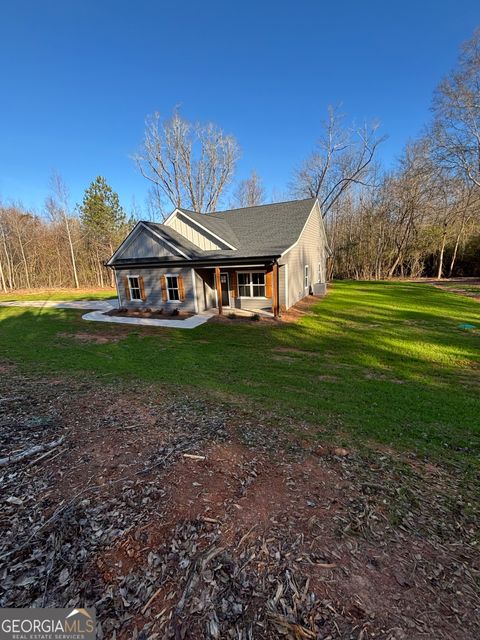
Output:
x=464 y=292
x=469 y=287
x=283 y=358
x=375 y=375
x=327 y=378
x=301 y=352
x=96 y=338
x=300 y=309
x=264 y=534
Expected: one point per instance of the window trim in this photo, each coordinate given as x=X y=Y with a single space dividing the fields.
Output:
x=306 y=276
x=130 y=289
x=251 y=297
x=172 y=275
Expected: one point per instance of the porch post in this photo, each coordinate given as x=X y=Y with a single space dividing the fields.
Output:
x=219 y=290
x=275 y=304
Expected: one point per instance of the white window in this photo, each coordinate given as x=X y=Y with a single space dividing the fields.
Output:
x=172 y=289
x=258 y=285
x=306 y=277
x=134 y=286
x=244 y=283
x=251 y=284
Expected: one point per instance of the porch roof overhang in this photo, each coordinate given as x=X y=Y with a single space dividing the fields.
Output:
x=205 y=263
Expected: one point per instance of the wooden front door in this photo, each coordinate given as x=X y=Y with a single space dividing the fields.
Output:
x=225 y=286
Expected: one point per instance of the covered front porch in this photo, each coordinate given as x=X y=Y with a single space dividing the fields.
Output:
x=240 y=289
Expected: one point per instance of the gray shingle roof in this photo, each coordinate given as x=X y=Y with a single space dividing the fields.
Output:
x=264 y=230
x=176 y=238
x=217 y=223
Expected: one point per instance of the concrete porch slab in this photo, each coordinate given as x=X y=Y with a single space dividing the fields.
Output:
x=248 y=313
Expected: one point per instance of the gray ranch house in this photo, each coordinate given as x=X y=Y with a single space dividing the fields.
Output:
x=262 y=258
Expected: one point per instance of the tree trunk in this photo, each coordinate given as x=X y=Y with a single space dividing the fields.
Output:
x=112 y=275
x=454 y=256
x=11 y=283
x=25 y=263
x=455 y=249
x=394 y=265
x=72 y=253
x=100 y=271
x=442 y=252
x=2 y=278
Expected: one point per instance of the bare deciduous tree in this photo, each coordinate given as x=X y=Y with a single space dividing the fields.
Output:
x=456 y=108
x=249 y=192
x=410 y=225
x=467 y=215
x=342 y=159
x=3 y=282
x=57 y=206
x=189 y=164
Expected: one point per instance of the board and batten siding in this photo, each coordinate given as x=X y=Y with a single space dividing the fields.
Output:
x=310 y=249
x=197 y=236
x=153 y=289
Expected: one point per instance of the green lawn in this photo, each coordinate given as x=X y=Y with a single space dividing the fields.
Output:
x=60 y=294
x=381 y=361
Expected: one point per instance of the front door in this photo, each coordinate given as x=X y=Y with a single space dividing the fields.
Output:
x=225 y=286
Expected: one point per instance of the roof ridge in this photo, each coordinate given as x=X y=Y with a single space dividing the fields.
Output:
x=253 y=206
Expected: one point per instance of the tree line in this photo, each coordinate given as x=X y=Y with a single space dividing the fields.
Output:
x=61 y=248
x=421 y=218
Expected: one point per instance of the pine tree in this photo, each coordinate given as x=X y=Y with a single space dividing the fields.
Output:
x=104 y=220
x=101 y=213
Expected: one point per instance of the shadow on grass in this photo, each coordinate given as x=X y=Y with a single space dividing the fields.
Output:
x=382 y=360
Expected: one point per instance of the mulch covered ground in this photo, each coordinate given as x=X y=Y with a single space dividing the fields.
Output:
x=179 y=517
x=159 y=314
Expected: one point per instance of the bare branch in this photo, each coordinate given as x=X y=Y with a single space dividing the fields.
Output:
x=341 y=160
x=189 y=164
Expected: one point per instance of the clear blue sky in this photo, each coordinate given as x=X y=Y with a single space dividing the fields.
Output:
x=78 y=77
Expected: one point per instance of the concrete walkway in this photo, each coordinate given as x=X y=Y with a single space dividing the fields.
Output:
x=98 y=309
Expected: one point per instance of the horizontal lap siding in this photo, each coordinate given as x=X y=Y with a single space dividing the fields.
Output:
x=311 y=249
x=153 y=289
x=252 y=304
